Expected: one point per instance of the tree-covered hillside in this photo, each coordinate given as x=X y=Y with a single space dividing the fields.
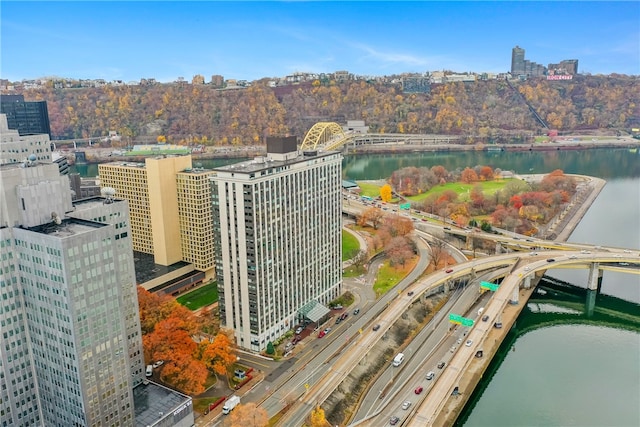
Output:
x=201 y=114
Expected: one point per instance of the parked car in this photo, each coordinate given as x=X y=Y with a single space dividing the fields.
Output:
x=344 y=315
x=157 y=364
x=299 y=330
x=338 y=320
x=321 y=334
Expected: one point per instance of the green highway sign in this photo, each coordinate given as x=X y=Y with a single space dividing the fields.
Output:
x=459 y=320
x=490 y=286
x=467 y=322
x=455 y=318
x=406 y=206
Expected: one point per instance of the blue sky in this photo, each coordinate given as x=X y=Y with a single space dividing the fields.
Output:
x=250 y=40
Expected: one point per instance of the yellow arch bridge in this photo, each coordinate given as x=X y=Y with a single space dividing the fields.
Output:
x=330 y=136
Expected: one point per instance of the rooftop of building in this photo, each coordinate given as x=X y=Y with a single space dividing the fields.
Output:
x=67 y=227
x=93 y=202
x=153 y=401
x=265 y=163
x=147 y=269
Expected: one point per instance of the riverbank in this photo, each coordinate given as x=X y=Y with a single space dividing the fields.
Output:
x=104 y=155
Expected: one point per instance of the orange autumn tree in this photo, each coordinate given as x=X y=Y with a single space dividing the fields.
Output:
x=218 y=354
x=168 y=329
x=247 y=415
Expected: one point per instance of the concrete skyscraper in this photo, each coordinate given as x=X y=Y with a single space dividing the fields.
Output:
x=277 y=227
x=517 y=61
x=71 y=347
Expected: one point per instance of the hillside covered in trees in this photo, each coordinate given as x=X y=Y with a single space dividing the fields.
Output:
x=200 y=114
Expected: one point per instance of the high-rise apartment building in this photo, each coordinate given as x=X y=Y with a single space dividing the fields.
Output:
x=71 y=342
x=28 y=117
x=170 y=208
x=277 y=226
x=517 y=61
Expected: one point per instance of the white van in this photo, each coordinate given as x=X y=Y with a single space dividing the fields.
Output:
x=149 y=370
x=398 y=359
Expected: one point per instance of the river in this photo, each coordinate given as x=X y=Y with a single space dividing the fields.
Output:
x=566 y=375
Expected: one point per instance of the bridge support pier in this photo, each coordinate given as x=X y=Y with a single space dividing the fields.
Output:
x=590 y=303
x=515 y=297
x=527 y=282
x=595 y=277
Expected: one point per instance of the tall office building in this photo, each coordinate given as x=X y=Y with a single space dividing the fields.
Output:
x=170 y=208
x=28 y=117
x=277 y=226
x=72 y=350
x=517 y=61
x=71 y=341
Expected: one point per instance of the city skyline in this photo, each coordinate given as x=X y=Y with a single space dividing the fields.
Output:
x=165 y=40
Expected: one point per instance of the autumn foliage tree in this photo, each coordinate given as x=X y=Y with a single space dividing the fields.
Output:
x=385 y=193
x=168 y=334
x=247 y=415
x=317 y=417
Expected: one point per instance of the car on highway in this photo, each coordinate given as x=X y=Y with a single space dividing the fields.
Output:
x=344 y=315
x=410 y=293
x=356 y=311
x=533 y=254
x=550 y=259
x=441 y=365
x=418 y=390
x=585 y=251
x=485 y=317
x=430 y=375
x=447 y=228
x=468 y=343
x=449 y=270
x=459 y=341
x=627 y=251
x=452 y=349
x=376 y=327
x=406 y=404
x=394 y=420
x=573 y=256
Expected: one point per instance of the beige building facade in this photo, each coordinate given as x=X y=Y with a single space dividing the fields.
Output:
x=170 y=208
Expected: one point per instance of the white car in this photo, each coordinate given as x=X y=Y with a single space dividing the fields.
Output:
x=158 y=363
x=430 y=375
x=468 y=343
x=573 y=256
x=406 y=404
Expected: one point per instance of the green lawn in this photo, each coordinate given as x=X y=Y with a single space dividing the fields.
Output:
x=369 y=189
x=201 y=297
x=387 y=278
x=463 y=190
x=350 y=245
